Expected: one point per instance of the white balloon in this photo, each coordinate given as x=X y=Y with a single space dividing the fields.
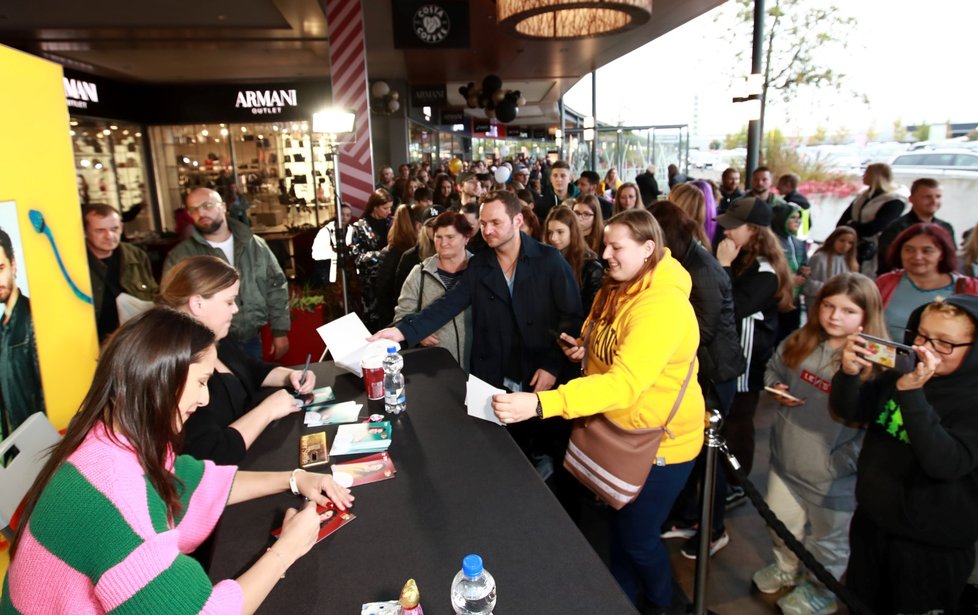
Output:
x=395 y=95
x=380 y=89
x=502 y=174
x=393 y=106
x=520 y=102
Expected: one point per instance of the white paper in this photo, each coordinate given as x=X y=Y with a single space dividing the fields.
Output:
x=346 y=338
x=478 y=399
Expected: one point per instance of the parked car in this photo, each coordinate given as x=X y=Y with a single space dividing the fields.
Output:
x=937 y=162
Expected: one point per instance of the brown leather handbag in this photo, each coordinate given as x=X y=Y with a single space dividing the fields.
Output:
x=614 y=462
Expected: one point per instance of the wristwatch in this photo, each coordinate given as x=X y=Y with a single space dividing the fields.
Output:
x=539 y=408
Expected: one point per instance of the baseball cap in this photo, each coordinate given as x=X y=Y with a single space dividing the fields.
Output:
x=464 y=177
x=520 y=169
x=743 y=210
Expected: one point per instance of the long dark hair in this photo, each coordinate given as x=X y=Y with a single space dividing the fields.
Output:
x=135 y=393
x=764 y=244
x=678 y=228
x=577 y=250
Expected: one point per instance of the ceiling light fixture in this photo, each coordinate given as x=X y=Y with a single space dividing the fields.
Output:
x=571 y=19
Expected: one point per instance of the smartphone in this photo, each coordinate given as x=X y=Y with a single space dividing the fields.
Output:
x=781 y=393
x=889 y=354
x=561 y=341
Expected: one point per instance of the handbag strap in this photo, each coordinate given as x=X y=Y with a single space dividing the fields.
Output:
x=679 y=399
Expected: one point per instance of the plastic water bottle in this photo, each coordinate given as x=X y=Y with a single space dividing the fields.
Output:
x=474 y=589
x=395 y=400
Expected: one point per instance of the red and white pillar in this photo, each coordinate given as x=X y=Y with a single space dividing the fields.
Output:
x=348 y=68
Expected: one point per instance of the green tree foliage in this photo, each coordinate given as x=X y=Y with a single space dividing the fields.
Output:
x=796 y=32
x=820 y=136
x=922 y=131
x=841 y=135
x=899 y=131
x=736 y=140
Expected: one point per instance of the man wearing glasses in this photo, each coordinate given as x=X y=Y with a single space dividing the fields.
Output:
x=264 y=294
x=116 y=268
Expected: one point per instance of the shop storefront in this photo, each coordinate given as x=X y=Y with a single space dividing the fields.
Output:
x=141 y=148
x=109 y=151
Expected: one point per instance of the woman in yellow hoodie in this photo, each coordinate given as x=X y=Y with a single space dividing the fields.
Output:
x=642 y=338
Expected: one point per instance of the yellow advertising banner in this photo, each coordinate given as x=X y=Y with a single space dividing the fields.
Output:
x=48 y=341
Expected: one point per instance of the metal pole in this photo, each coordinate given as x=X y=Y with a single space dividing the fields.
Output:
x=712 y=443
x=563 y=131
x=594 y=114
x=341 y=247
x=757 y=59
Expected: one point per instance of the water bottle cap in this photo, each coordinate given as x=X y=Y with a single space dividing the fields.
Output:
x=472 y=565
x=391 y=349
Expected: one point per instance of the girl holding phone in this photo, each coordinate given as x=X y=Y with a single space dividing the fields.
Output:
x=812 y=478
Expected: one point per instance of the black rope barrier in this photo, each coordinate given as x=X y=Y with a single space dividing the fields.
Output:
x=856 y=606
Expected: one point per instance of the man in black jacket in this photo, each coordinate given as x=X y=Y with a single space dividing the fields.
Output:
x=560 y=188
x=521 y=292
x=925 y=200
x=648 y=186
x=588 y=183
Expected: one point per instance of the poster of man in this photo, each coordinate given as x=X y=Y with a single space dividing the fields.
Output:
x=21 y=394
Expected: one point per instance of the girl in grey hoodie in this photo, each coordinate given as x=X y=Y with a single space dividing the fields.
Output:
x=813 y=453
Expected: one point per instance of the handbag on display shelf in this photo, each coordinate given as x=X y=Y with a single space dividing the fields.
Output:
x=614 y=462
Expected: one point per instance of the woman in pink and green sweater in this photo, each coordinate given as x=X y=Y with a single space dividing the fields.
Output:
x=113 y=514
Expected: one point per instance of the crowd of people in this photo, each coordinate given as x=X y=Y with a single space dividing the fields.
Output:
x=771 y=310
x=581 y=298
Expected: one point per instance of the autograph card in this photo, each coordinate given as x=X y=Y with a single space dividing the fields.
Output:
x=312 y=449
x=317 y=397
x=336 y=519
x=363 y=471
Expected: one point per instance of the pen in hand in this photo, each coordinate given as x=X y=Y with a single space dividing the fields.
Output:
x=305 y=370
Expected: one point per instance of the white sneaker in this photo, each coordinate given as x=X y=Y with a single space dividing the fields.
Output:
x=807 y=599
x=771 y=579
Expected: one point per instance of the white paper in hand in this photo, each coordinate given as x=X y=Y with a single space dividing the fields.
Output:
x=478 y=399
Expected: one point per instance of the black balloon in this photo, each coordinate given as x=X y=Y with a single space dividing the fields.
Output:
x=491 y=83
x=506 y=111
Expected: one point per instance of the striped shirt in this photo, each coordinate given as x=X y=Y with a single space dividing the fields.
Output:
x=99 y=540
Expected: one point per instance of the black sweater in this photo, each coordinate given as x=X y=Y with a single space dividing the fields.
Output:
x=917 y=475
x=207 y=433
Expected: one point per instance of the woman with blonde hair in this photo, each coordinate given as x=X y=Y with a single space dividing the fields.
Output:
x=608 y=187
x=402 y=237
x=637 y=369
x=690 y=199
x=837 y=255
x=872 y=211
x=627 y=197
x=206 y=288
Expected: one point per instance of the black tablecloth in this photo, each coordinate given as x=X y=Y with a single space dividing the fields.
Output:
x=462 y=486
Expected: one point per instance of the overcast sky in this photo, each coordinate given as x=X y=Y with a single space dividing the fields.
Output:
x=914 y=60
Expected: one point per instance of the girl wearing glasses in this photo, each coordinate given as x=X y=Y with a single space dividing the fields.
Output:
x=588 y=212
x=926 y=253
x=912 y=537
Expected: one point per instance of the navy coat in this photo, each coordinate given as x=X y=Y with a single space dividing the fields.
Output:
x=546 y=301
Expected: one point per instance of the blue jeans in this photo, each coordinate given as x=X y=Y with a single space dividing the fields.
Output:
x=639 y=560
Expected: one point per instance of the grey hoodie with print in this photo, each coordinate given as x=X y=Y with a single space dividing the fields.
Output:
x=812 y=450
